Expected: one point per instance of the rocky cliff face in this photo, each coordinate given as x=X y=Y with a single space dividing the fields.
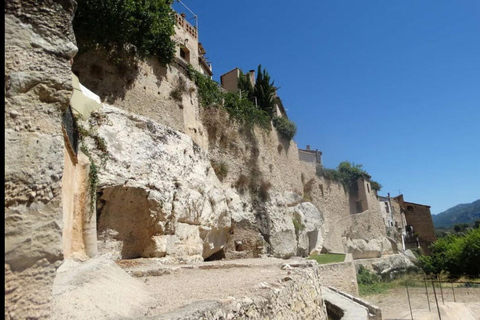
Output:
x=39 y=43
x=160 y=197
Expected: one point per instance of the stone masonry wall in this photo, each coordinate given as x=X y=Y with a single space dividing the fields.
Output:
x=342 y=276
x=333 y=200
x=144 y=88
x=298 y=296
x=39 y=44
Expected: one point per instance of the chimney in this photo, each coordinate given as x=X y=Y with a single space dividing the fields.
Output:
x=308 y=147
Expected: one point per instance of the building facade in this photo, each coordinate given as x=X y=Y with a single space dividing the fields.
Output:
x=419 y=227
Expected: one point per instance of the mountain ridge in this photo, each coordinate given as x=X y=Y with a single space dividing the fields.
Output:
x=461 y=213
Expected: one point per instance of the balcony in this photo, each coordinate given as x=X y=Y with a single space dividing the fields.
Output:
x=184 y=24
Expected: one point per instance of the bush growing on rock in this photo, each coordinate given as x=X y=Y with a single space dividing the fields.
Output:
x=148 y=25
x=347 y=173
x=285 y=127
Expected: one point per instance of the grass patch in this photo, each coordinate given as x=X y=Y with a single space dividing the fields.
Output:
x=374 y=288
x=327 y=258
x=298 y=225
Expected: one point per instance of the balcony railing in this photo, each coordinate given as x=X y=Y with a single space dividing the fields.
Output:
x=184 y=24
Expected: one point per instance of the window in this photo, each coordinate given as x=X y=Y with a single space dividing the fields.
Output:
x=368 y=187
x=185 y=54
x=359 y=206
x=410 y=208
x=387 y=208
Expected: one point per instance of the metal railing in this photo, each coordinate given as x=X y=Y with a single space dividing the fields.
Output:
x=435 y=293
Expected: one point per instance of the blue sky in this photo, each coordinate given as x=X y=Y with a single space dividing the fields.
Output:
x=393 y=85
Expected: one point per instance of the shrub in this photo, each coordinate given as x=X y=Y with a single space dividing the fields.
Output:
x=375 y=185
x=263 y=190
x=220 y=168
x=347 y=173
x=244 y=111
x=365 y=276
x=242 y=183
x=179 y=90
x=148 y=25
x=285 y=127
x=208 y=90
x=176 y=94
x=307 y=190
x=329 y=174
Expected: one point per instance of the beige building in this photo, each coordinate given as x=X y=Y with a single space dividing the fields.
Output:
x=229 y=82
x=310 y=156
x=394 y=219
x=189 y=50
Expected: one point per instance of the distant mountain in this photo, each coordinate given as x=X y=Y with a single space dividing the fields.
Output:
x=462 y=213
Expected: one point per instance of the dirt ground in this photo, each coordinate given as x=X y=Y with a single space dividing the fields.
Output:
x=394 y=303
x=213 y=281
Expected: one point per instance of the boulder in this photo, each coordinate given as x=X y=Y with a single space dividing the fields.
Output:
x=309 y=225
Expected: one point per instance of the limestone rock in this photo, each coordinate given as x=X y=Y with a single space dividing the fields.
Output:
x=39 y=43
x=388 y=266
x=97 y=289
x=311 y=223
x=159 y=192
x=362 y=249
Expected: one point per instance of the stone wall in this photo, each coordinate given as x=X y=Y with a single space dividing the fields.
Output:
x=39 y=44
x=250 y=160
x=298 y=296
x=144 y=88
x=342 y=276
x=341 y=226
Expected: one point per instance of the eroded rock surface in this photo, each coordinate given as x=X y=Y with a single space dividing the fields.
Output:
x=159 y=197
x=39 y=43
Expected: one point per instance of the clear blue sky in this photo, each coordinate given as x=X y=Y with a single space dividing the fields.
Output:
x=393 y=85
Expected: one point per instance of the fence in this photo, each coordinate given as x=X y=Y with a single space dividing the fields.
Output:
x=436 y=292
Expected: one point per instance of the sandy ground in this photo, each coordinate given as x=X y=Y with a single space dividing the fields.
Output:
x=394 y=304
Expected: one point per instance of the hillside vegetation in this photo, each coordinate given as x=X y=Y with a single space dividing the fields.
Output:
x=462 y=213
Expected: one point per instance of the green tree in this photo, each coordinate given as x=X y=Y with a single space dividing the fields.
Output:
x=460 y=227
x=476 y=225
x=265 y=91
x=457 y=255
x=112 y=24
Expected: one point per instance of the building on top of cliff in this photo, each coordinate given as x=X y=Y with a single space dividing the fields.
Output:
x=419 y=225
x=189 y=50
x=229 y=82
x=310 y=156
x=394 y=219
